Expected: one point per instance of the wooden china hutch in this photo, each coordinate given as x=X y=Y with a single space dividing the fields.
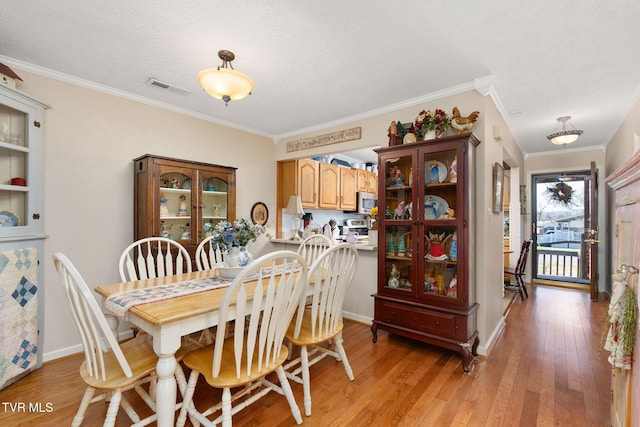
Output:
x=426 y=268
x=180 y=199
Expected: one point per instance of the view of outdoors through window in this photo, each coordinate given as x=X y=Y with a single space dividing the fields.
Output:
x=560 y=224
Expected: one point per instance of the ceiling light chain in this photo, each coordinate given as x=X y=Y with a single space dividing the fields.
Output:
x=565 y=136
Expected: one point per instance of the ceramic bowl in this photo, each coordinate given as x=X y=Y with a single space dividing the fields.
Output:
x=229 y=272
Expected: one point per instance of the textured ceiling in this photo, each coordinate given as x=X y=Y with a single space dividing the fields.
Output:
x=315 y=63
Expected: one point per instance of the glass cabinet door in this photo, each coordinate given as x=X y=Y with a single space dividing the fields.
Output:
x=398 y=213
x=176 y=199
x=215 y=201
x=439 y=200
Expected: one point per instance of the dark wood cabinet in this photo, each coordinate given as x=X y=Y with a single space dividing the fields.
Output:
x=426 y=271
x=181 y=199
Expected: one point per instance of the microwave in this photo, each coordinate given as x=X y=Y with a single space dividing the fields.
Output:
x=366 y=201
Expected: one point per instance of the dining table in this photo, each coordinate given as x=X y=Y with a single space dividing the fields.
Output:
x=168 y=320
x=169 y=308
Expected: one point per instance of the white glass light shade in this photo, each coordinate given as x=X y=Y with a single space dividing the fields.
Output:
x=225 y=84
x=564 y=136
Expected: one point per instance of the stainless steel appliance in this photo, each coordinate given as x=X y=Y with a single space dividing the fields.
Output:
x=366 y=201
x=357 y=225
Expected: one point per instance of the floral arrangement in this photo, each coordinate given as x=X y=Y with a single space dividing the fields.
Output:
x=240 y=233
x=426 y=121
x=373 y=213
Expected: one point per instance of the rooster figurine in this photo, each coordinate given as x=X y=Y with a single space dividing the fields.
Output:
x=463 y=124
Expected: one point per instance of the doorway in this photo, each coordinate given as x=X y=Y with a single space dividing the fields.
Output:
x=561 y=221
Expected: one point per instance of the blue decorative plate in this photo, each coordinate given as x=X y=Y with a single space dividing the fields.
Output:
x=434 y=206
x=9 y=219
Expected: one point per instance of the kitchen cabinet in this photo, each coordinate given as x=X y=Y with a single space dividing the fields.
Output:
x=180 y=199
x=300 y=177
x=367 y=181
x=426 y=269
x=319 y=185
x=625 y=181
x=21 y=233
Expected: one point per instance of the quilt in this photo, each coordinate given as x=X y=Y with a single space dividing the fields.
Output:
x=18 y=313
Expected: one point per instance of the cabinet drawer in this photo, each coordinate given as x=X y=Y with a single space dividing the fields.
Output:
x=431 y=322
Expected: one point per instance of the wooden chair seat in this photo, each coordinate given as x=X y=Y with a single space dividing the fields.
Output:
x=306 y=336
x=201 y=359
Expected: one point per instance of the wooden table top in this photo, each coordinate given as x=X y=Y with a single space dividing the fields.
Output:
x=174 y=309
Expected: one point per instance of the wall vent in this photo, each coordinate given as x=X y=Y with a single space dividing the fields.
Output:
x=166 y=86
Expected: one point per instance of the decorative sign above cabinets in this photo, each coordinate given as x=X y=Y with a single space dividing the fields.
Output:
x=327 y=139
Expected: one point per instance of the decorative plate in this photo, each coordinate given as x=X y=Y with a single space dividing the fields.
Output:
x=434 y=206
x=409 y=138
x=9 y=219
x=433 y=167
x=259 y=213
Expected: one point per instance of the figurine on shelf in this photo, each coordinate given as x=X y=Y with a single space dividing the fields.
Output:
x=411 y=177
x=175 y=183
x=186 y=232
x=430 y=208
x=387 y=213
x=453 y=170
x=396 y=178
x=435 y=172
x=393 y=134
x=408 y=210
x=452 y=290
x=165 y=230
x=448 y=214
x=182 y=210
x=399 y=212
x=164 y=210
x=216 y=209
x=394 y=277
x=436 y=253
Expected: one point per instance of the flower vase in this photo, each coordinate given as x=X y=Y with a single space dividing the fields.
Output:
x=430 y=134
x=238 y=256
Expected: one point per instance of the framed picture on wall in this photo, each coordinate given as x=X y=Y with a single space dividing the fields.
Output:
x=498 y=183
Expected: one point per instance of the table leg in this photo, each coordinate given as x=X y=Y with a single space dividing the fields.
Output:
x=166 y=390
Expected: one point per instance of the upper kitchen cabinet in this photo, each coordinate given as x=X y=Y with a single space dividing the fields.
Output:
x=337 y=187
x=367 y=181
x=182 y=200
x=301 y=177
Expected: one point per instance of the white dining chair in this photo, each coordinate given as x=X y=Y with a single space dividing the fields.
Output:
x=320 y=323
x=265 y=295
x=109 y=367
x=152 y=257
x=313 y=246
x=208 y=254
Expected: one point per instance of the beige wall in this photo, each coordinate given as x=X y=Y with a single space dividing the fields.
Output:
x=488 y=240
x=90 y=141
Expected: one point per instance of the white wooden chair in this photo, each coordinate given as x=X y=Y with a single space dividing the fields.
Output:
x=320 y=323
x=110 y=367
x=259 y=319
x=313 y=246
x=153 y=257
x=208 y=254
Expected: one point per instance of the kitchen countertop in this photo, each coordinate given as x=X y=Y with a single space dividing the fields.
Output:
x=363 y=246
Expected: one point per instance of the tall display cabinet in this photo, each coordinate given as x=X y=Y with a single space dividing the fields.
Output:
x=180 y=199
x=625 y=181
x=426 y=270
x=21 y=233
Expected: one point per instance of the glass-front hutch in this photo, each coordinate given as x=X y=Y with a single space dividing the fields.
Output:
x=181 y=200
x=426 y=280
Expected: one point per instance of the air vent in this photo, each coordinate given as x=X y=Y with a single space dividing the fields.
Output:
x=166 y=86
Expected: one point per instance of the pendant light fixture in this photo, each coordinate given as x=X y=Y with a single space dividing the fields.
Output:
x=225 y=83
x=565 y=136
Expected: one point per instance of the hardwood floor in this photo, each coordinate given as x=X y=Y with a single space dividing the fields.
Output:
x=546 y=369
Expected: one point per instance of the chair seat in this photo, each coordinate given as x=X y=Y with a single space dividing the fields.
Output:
x=509 y=270
x=201 y=360
x=142 y=359
x=306 y=336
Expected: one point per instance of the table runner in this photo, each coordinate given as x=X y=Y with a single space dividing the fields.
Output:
x=119 y=304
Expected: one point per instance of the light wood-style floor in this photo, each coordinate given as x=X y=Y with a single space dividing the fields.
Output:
x=546 y=370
